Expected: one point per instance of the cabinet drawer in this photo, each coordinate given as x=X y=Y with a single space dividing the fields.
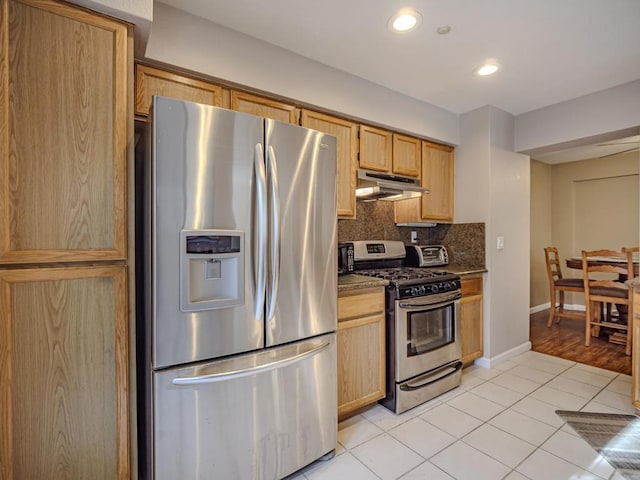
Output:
x=471 y=286
x=360 y=302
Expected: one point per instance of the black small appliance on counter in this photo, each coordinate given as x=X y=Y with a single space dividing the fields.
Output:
x=345 y=258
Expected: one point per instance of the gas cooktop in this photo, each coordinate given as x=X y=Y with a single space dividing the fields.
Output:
x=398 y=274
x=414 y=282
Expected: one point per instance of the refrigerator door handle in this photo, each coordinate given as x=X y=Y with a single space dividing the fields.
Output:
x=260 y=264
x=274 y=221
x=269 y=364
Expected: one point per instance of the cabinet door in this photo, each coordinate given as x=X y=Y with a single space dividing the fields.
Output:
x=64 y=128
x=437 y=176
x=361 y=349
x=407 y=211
x=635 y=370
x=152 y=81
x=346 y=133
x=361 y=362
x=407 y=155
x=375 y=149
x=64 y=373
x=263 y=107
x=471 y=319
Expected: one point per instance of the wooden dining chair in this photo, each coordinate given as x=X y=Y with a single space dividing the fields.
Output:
x=599 y=290
x=558 y=285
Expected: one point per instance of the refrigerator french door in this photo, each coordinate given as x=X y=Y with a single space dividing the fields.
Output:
x=240 y=294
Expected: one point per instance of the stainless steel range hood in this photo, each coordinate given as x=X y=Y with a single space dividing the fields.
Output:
x=384 y=186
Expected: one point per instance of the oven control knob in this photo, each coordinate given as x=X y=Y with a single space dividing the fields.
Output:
x=414 y=291
x=434 y=288
x=423 y=290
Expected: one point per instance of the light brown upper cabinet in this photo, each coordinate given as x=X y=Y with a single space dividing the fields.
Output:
x=407 y=155
x=347 y=145
x=437 y=176
x=153 y=81
x=376 y=149
x=64 y=126
x=263 y=107
x=64 y=372
x=389 y=152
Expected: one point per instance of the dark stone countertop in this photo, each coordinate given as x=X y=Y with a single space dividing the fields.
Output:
x=350 y=282
x=465 y=270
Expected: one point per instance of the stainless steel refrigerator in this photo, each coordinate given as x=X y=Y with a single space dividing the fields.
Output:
x=239 y=370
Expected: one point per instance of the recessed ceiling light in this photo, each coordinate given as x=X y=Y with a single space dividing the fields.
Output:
x=489 y=68
x=443 y=30
x=404 y=21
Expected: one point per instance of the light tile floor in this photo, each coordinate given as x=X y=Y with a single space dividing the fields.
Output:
x=499 y=424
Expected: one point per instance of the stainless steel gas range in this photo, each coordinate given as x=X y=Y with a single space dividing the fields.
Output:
x=422 y=324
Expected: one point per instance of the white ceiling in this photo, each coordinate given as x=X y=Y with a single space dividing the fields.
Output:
x=604 y=149
x=550 y=50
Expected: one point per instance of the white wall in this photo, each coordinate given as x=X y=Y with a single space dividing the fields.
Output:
x=472 y=168
x=510 y=212
x=180 y=39
x=540 y=225
x=492 y=186
x=612 y=110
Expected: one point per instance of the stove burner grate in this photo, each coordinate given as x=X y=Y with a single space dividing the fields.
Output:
x=403 y=273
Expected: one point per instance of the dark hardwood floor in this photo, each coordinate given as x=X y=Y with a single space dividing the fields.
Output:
x=566 y=340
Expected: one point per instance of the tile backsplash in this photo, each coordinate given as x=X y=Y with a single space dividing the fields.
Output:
x=465 y=242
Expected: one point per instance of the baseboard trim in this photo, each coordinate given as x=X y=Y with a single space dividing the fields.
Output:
x=539 y=308
x=487 y=362
x=545 y=306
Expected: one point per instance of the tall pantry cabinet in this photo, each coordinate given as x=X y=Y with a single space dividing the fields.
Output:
x=65 y=126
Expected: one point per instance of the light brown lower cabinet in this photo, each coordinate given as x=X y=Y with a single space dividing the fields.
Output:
x=64 y=373
x=361 y=349
x=471 y=318
x=635 y=352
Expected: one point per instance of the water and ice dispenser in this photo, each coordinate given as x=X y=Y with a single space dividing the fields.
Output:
x=211 y=269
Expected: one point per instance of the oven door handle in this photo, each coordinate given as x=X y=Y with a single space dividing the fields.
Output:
x=431 y=305
x=432 y=377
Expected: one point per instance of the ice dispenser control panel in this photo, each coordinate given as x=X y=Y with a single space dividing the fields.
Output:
x=211 y=269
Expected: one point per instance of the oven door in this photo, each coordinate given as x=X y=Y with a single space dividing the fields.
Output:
x=427 y=333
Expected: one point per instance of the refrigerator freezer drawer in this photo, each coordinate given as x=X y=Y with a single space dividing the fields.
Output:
x=256 y=416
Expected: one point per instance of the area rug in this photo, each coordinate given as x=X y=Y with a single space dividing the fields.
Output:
x=615 y=437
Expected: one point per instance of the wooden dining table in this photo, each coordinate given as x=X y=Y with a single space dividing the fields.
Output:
x=576 y=262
